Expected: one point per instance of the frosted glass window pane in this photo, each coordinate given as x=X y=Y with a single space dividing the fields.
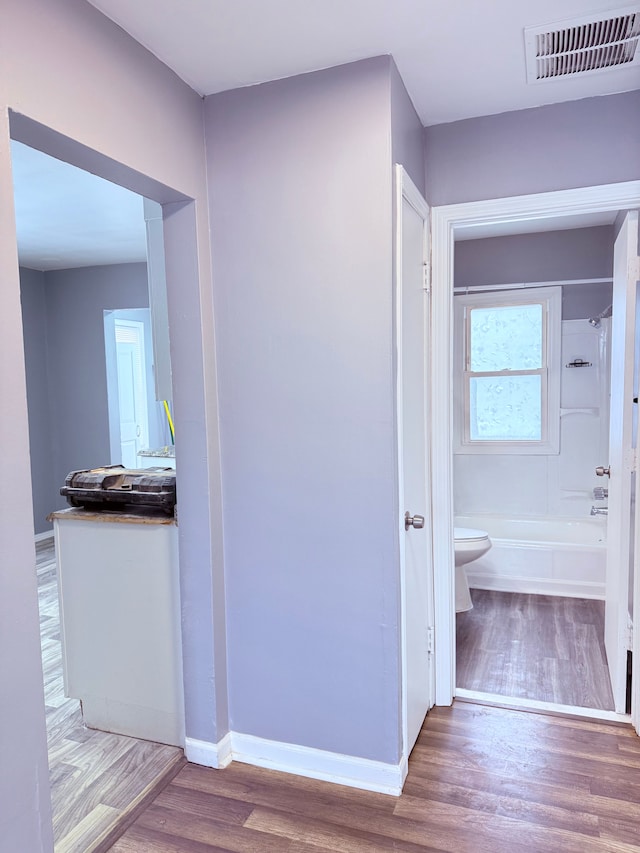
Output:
x=506 y=408
x=508 y=338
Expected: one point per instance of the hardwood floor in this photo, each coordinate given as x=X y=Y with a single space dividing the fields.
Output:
x=535 y=647
x=96 y=778
x=481 y=780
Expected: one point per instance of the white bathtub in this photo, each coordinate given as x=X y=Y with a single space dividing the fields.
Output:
x=541 y=556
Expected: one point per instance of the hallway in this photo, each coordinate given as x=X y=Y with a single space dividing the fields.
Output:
x=481 y=780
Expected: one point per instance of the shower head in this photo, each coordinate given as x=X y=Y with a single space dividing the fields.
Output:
x=595 y=321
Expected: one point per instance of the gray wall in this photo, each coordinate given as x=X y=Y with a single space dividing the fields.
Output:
x=575 y=144
x=76 y=300
x=34 y=321
x=300 y=195
x=407 y=144
x=66 y=374
x=549 y=256
x=76 y=85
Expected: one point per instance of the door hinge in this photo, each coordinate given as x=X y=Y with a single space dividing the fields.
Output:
x=431 y=640
x=629 y=634
x=426 y=277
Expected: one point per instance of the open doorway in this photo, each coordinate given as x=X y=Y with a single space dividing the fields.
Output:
x=65 y=287
x=531 y=389
x=508 y=216
x=140 y=425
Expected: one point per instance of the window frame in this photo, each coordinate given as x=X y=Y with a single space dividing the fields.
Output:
x=550 y=298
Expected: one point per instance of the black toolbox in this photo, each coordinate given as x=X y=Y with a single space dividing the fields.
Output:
x=115 y=487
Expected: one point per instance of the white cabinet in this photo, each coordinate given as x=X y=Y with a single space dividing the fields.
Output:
x=120 y=621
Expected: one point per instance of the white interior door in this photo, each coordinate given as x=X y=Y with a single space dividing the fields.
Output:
x=132 y=390
x=412 y=317
x=621 y=456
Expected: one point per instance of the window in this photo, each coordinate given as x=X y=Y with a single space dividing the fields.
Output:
x=508 y=388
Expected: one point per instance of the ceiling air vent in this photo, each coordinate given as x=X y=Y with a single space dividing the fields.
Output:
x=583 y=46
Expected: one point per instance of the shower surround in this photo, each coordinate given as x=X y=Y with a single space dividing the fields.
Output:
x=536 y=509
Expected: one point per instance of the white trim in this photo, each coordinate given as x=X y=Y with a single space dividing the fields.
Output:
x=300 y=760
x=399 y=175
x=464 y=217
x=217 y=755
x=537 y=705
x=42 y=537
x=446 y=222
x=319 y=764
x=482 y=288
x=535 y=585
x=635 y=652
x=549 y=372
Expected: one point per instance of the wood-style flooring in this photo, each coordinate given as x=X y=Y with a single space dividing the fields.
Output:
x=96 y=778
x=481 y=780
x=539 y=647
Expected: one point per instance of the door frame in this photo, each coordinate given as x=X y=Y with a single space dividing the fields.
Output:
x=406 y=190
x=447 y=221
x=141 y=394
x=620 y=545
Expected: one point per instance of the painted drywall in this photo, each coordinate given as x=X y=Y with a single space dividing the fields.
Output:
x=407 y=145
x=575 y=144
x=80 y=88
x=300 y=195
x=577 y=253
x=34 y=320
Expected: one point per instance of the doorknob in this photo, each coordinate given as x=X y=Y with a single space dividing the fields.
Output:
x=603 y=472
x=416 y=521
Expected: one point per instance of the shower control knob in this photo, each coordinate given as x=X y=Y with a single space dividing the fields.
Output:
x=603 y=472
x=416 y=521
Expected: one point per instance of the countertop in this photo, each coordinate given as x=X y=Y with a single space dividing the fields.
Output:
x=150 y=516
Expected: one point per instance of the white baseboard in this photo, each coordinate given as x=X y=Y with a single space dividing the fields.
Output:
x=208 y=754
x=536 y=586
x=520 y=703
x=300 y=760
x=41 y=537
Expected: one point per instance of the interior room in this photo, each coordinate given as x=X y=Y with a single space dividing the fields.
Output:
x=544 y=575
x=271 y=152
x=83 y=283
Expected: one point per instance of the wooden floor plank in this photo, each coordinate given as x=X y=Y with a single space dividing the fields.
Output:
x=543 y=647
x=481 y=780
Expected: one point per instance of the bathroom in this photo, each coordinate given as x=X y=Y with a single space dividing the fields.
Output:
x=531 y=624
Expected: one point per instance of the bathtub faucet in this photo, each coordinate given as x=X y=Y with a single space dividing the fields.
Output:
x=599 y=510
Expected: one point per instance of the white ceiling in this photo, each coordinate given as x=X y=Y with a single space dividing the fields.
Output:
x=458 y=59
x=66 y=217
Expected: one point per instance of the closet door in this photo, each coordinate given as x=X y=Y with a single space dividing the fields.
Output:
x=415 y=531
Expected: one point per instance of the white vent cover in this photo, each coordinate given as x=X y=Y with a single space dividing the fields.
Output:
x=583 y=45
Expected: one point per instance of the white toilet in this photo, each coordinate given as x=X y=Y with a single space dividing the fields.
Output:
x=469 y=545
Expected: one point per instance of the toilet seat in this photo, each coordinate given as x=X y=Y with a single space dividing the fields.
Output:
x=469 y=534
